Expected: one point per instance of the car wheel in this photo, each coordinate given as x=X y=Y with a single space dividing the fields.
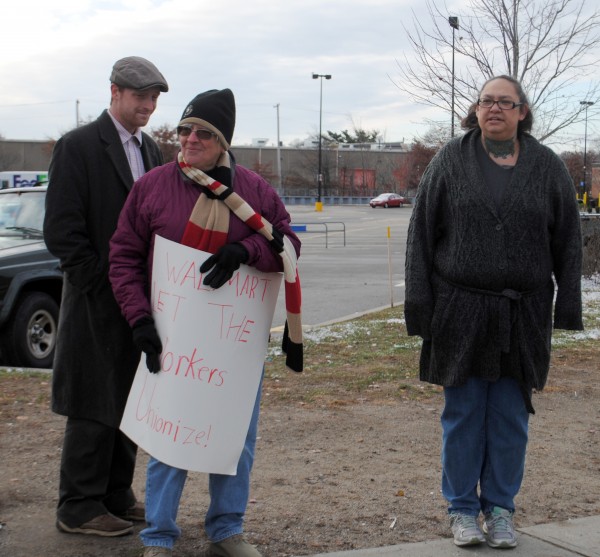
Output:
x=31 y=335
x=385 y=205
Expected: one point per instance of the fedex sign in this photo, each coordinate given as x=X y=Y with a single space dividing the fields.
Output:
x=22 y=179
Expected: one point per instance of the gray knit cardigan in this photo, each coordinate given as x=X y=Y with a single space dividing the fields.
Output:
x=479 y=281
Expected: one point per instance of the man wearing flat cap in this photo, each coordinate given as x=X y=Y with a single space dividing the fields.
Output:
x=92 y=170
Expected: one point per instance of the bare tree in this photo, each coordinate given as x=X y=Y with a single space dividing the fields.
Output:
x=435 y=137
x=410 y=171
x=550 y=46
x=166 y=139
x=574 y=163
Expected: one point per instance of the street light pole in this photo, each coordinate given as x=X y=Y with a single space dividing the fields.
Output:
x=319 y=204
x=279 y=180
x=453 y=21
x=587 y=104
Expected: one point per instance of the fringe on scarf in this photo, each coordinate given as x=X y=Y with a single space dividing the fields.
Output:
x=207 y=230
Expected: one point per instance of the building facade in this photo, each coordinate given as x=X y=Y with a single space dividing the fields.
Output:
x=349 y=170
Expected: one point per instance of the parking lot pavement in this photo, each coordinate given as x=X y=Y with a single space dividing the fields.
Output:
x=340 y=281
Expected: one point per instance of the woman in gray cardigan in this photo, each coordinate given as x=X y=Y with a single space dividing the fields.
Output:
x=494 y=232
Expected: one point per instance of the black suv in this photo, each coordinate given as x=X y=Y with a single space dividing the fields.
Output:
x=30 y=281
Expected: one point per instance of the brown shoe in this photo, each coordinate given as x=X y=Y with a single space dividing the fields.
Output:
x=135 y=513
x=106 y=525
x=235 y=546
x=157 y=552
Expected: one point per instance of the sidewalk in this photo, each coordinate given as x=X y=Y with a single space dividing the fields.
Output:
x=570 y=538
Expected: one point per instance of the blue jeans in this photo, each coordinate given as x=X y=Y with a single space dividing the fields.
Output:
x=228 y=496
x=484 y=440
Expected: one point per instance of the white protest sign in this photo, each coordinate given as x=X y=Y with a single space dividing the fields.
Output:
x=194 y=414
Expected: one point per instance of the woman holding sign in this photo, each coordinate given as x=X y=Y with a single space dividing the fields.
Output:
x=205 y=201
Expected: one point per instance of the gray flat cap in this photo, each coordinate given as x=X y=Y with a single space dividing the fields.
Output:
x=135 y=72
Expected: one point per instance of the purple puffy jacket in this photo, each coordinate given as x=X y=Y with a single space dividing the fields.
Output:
x=160 y=203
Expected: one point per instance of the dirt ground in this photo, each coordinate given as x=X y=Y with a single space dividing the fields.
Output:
x=330 y=475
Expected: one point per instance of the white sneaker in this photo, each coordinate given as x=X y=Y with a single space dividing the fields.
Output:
x=499 y=529
x=465 y=529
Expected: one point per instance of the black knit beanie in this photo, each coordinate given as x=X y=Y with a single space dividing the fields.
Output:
x=214 y=110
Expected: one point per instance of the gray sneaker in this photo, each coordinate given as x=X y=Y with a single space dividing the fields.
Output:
x=499 y=529
x=466 y=529
x=235 y=546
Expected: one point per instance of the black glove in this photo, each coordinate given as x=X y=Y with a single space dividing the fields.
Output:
x=277 y=241
x=227 y=260
x=146 y=338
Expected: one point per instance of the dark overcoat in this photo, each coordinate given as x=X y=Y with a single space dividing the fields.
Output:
x=481 y=281
x=89 y=180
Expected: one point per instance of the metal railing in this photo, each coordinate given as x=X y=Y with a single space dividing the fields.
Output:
x=307 y=227
x=326 y=199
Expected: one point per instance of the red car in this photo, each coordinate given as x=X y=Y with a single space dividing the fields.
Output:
x=386 y=200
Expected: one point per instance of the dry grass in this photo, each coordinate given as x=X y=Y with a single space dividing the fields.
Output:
x=372 y=358
x=369 y=358
x=364 y=359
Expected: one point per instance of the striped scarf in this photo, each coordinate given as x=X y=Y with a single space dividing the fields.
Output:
x=207 y=230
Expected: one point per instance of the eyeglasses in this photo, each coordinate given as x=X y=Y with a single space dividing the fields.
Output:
x=502 y=104
x=186 y=131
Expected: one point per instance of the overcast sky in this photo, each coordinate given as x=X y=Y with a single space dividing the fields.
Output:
x=58 y=52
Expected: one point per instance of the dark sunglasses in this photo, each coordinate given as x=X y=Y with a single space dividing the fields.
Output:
x=186 y=131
